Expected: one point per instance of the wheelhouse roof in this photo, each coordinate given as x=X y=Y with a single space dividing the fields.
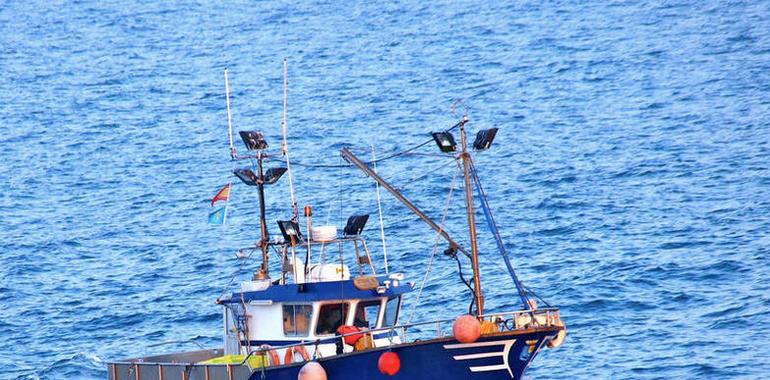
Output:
x=319 y=291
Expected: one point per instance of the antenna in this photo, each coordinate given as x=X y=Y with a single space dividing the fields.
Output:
x=233 y=153
x=285 y=147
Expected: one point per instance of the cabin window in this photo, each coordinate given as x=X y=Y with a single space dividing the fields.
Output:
x=366 y=314
x=391 y=312
x=331 y=317
x=296 y=320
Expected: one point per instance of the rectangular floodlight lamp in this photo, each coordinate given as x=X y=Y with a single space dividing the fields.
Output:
x=273 y=175
x=247 y=176
x=355 y=225
x=289 y=229
x=445 y=141
x=254 y=140
x=484 y=139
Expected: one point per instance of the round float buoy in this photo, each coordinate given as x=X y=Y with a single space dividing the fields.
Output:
x=348 y=329
x=389 y=363
x=467 y=329
x=312 y=371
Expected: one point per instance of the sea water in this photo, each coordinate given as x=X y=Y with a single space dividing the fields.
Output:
x=630 y=177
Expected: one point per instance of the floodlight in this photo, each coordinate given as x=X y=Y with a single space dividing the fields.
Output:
x=445 y=141
x=247 y=176
x=355 y=225
x=484 y=138
x=273 y=175
x=290 y=228
x=254 y=140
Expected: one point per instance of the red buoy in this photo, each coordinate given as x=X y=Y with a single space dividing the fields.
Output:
x=389 y=363
x=467 y=329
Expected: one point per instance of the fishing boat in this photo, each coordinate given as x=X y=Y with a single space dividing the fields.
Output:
x=331 y=311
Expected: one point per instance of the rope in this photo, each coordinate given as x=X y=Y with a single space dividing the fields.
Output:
x=498 y=240
x=394 y=155
x=241 y=266
x=379 y=209
x=435 y=248
x=427 y=173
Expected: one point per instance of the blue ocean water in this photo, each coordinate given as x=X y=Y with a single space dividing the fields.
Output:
x=630 y=177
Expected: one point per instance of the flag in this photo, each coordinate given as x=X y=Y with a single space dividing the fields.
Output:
x=218 y=216
x=222 y=195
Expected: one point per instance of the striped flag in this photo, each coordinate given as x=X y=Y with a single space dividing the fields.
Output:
x=222 y=195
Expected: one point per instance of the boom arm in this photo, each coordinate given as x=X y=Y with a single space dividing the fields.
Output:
x=349 y=157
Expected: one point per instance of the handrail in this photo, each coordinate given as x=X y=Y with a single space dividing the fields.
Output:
x=548 y=317
x=334 y=338
x=549 y=313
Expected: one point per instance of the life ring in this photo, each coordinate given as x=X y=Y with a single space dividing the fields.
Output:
x=288 y=358
x=271 y=354
x=560 y=336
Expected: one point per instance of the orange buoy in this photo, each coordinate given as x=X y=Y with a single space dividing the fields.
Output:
x=466 y=328
x=389 y=363
x=350 y=339
x=312 y=371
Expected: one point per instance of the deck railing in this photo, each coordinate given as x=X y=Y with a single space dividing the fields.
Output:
x=507 y=321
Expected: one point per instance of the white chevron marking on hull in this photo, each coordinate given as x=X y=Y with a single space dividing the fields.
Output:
x=507 y=344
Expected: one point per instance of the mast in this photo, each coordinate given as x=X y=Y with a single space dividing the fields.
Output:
x=263 y=244
x=465 y=155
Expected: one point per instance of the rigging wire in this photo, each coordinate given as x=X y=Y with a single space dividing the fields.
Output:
x=239 y=271
x=394 y=155
x=435 y=249
x=379 y=210
x=427 y=173
x=496 y=234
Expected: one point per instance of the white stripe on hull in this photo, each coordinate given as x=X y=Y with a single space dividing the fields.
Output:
x=507 y=345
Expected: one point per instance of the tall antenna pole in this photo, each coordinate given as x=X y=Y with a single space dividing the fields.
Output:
x=471 y=220
x=233 y=153
x=285 y=146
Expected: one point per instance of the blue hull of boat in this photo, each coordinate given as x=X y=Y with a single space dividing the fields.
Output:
x=497 y=356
